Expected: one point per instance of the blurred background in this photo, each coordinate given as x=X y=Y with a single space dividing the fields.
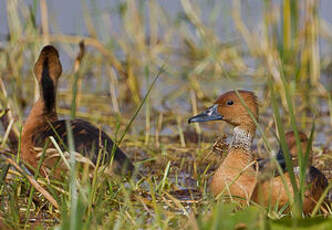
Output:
x=204 y=47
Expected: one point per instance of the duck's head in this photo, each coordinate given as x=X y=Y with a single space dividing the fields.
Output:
x=47 y=71
x=228 y=107
x=48 y=66
x=291 y=143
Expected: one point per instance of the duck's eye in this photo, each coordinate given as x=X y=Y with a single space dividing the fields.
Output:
x=229 y=102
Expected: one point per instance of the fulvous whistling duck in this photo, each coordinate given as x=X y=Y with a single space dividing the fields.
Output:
x=234 y=176
x=43 y=122
x=274 y=190
x=266 y=164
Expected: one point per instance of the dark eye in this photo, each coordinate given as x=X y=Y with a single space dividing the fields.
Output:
x=229 y=102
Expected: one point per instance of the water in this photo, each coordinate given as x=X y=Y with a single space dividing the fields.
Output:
x=67 y=17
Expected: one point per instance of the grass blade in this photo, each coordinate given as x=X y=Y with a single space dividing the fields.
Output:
x=289 y=165
x=161 y=70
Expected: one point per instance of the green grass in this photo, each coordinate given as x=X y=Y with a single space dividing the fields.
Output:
x=140 y=85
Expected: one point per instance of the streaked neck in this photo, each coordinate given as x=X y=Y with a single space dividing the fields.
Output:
x=241 y=139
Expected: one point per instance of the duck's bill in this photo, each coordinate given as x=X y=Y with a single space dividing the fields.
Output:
x=281 y=159
x=211 y=114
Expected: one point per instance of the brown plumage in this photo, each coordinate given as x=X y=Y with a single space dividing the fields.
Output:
x=273 y=192
x=43 y=122
x=234 y=176
x=268 y=167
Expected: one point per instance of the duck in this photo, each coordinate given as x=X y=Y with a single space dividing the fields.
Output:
x=234 y=176
x=265 y=164
x=315 y=181
x=43 y=122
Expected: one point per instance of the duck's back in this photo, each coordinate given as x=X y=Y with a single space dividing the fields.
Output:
x=318 y=180
x=88 y=141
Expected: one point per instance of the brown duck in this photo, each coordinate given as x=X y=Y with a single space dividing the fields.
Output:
x=273 y=192
x=235 y=176
x=43 y=122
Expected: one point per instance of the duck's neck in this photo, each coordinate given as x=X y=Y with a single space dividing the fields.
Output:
x=44 y=110
x=242 y=138
x=39 y=116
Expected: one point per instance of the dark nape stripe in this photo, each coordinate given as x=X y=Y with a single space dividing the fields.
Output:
x=47 y=86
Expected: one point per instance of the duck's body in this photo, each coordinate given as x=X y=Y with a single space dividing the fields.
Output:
x=84 y=144
x=234 y=176
x=43 y=122
x=267 y=165
x=272 y=191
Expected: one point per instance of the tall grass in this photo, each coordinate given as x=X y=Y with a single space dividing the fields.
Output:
x=111 y=85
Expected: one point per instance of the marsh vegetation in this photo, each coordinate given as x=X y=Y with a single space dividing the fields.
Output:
x=146 y=68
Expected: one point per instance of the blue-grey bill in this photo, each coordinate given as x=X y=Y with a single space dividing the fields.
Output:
x=211 y=114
